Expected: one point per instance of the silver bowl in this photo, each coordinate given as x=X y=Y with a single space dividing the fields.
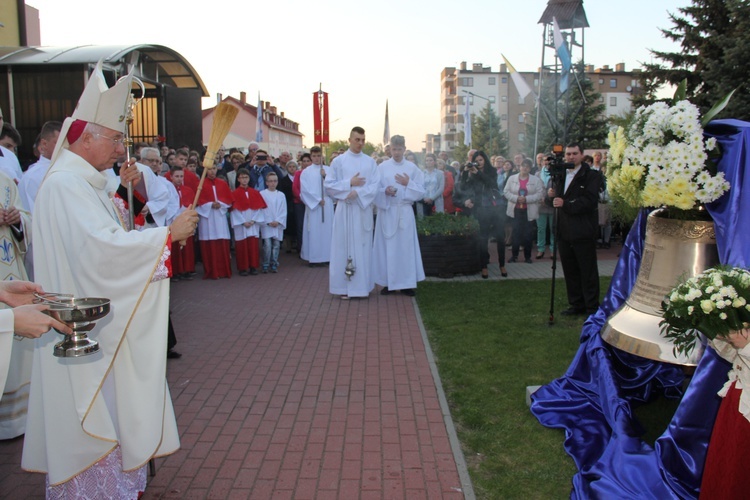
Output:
x=81 y=315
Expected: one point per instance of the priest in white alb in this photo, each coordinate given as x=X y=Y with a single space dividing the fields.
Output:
x=95 y=421
x=397 y=261
x=318 y=221
x=353 y=182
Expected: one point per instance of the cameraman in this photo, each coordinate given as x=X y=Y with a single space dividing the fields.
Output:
x=578 y=229
x=476 y=193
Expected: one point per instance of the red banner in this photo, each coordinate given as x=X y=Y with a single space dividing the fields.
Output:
x=320 y=117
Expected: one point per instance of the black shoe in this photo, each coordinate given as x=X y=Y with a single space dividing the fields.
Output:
x=244 y=273
x=172 y=354
x=192 y=274
x=187 y=277
x=540 y=255
x=573 y=311
x=512 y=260
x=503 y=272
x=253 y=271
x=175 y=279
x=409 y=292
x=385 y=291
x=528 y=261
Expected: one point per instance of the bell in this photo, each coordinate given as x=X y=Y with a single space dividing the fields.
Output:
x=349 y=270
x=673 y=250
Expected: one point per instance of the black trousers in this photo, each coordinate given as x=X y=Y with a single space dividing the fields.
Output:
x=171 y=338
x=578 y=259
x=522 y=232
x=491 y=225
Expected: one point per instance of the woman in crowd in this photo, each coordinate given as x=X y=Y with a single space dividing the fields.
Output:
x=544 y=224
x=502 y=178
x=524 y=193
x=448 y=185
x=236 y=159
x=434 y=183
x=477 y=193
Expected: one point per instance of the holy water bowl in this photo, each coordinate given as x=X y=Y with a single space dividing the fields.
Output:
x=81 y=315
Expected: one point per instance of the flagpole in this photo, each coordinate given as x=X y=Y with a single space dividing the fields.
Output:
x=541 y=92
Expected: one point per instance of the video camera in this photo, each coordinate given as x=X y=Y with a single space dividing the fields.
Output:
x=557 y=163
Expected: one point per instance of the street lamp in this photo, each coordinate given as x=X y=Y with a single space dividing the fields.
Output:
x=489 y=104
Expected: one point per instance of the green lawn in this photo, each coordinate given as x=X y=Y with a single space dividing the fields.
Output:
x=491 y=340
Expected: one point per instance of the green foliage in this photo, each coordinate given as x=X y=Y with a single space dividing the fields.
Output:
x=486 y=134
x=447 y=225
x=583 y=117
x=460 y=151
x=714 y=38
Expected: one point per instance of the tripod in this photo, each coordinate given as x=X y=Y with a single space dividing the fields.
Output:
x=557 y=182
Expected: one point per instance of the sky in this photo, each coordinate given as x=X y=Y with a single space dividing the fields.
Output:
x=362 y=53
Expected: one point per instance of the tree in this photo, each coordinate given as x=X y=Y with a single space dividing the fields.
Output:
x=486 y=134
x=581 y=114
x=714 y=40
x=368 y=148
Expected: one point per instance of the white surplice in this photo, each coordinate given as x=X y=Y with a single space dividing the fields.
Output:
x=6 y=343
x=213 y=223
x=318 y=222
x=275 y=211
x=240 y=217
x=352 y=223
x=396 y=259
x=81 y=409
x=30 y=182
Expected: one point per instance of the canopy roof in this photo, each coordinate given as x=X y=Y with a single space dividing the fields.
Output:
x=155 y=64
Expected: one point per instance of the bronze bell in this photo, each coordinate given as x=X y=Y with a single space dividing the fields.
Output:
x=673 y=250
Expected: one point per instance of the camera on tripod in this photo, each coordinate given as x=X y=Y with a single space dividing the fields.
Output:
x=557 y=163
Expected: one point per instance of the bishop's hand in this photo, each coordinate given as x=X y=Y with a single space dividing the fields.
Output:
x=183 y=226
x=129 y=173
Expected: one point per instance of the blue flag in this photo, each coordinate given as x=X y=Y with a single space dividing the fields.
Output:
x=563 y=54
x=467 y=122
x=259 y=126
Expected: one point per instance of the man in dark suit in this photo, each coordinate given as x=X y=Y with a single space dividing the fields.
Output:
x=578 y=229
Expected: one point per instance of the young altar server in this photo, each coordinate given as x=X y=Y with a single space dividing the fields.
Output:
x=213 y=228
x=397 y=262
x=247 y=216
x=272 y=231
x=318 y=221
x=183 y=255
x=353 y=181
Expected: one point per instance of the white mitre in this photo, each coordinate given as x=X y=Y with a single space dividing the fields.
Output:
x=98 y=104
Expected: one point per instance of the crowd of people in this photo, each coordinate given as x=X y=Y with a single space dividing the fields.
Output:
x=355 y=214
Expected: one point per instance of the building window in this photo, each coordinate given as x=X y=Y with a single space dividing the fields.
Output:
x=504 y=98
x=613 y=101
x=521 y=137
x=520 y=118
x=492 y=81
x=601 y=81
x=521 y=100
x=460 y=99
x=536 y=82
x=613 y=83
x=504 y=117
x=504 y=79
x=467 y=81
x=601 y=98
x=492 y=98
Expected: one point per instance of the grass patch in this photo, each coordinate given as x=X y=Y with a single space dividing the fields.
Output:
x=491 y=340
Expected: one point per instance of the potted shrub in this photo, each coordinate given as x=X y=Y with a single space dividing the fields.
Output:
x=449 y=245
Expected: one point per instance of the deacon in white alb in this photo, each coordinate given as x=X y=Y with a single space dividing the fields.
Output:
x=397 y=262
x=318 y=227
x=353 y=182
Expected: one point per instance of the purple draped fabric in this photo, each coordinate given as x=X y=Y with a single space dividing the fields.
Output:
x=592 y=401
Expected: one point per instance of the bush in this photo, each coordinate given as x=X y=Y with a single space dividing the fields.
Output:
x=447 y=225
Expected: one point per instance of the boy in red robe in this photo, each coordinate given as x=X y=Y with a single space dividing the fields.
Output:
x=247 y=217
x=213 y=228
x=183 y=256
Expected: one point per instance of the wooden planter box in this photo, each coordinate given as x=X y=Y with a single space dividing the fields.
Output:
x=446 y=256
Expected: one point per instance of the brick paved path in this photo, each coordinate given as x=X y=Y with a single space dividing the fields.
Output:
x=284 y=391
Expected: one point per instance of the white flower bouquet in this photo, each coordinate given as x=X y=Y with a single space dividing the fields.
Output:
x=662 y=159
x=714 y=303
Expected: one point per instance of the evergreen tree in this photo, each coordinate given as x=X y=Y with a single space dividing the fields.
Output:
x=583 y=116
x=486 y=134
x=714 y=40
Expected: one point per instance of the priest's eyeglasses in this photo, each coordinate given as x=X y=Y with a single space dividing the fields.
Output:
x=117 y=142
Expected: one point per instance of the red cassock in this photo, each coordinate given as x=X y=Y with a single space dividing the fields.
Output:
x=215 y=253
x=183 y=256
x=247 y=250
